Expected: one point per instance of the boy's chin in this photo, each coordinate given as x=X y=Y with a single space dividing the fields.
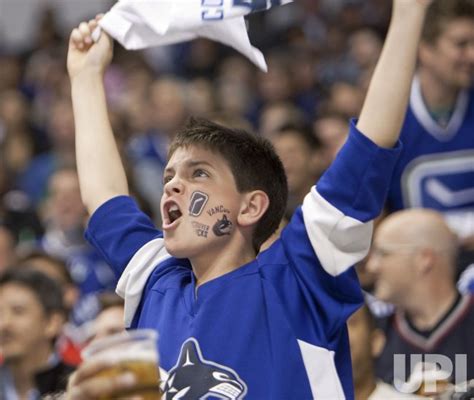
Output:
x=177 y=250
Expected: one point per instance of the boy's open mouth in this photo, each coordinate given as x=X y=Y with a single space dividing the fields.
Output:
x=172 y=213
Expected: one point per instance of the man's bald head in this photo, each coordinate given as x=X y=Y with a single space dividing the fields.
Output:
x=412 y=258
x=421 y=228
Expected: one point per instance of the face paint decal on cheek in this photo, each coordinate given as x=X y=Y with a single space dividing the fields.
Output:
x=222 y=227
x=198 y=202
x=217 y=209
x=200 y=229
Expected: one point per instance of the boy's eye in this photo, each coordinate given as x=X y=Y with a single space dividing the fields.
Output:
x=199 y=173
x=166 y=179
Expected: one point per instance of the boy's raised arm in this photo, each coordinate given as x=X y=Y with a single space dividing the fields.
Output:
x=101 y=173
x=385 y=105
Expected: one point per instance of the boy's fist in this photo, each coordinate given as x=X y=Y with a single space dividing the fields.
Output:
x=86 y=55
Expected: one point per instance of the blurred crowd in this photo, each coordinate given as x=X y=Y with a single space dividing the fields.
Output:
x=320 y=55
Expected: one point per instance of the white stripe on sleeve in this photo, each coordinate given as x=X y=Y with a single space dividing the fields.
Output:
x=322 y=374
x=338 y=240
x=134 y=277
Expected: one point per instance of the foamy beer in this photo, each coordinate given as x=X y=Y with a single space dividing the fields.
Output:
x=132 y=351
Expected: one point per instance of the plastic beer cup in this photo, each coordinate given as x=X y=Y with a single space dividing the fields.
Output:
x=133 y=351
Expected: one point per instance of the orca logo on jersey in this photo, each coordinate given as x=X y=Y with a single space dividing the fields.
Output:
x=193 y=377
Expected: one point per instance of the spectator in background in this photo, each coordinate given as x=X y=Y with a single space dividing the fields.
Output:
x=305 y=85
x=274 y=116
x=235 y=86
x=275 y=86
x=345 y=99
x=19 y=142
x=435 y=169
x=298 y=150
x=34 y=180
x=414 y=261
x=64 y=218
x=201 y=97
x=364 y=48
x=17 y=215
x=329 y=128
x=17 y=138
x=7 y=248
x=63 y=214
x=32 y=316
x=72 y=338
x=110 y=319
x=366 y=342
x=10 y=77
x=56 y=269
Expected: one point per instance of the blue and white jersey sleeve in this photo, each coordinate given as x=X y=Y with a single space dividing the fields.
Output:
x=332 y=230
x=339 y=210
x=118 y=229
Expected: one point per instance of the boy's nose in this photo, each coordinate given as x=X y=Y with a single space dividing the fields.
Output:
x=175 y=185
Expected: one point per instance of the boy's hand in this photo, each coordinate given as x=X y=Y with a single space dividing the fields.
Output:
x=85 y=55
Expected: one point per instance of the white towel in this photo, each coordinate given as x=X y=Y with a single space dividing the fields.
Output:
x=139 y=24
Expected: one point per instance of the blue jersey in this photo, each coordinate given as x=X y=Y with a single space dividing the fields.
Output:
x=274 y=328
x=436 y=167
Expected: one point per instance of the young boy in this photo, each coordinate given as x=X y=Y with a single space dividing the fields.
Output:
x=231 y=324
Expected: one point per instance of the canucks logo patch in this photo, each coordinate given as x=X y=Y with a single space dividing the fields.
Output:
x=222 y=227
x=194 y=378
x=440 y=181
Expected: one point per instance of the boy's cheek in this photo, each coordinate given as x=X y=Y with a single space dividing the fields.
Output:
x=219 y=219
x=200 y=230
x=211 y=221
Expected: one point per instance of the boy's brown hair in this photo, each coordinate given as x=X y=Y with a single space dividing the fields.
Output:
x=253 y=162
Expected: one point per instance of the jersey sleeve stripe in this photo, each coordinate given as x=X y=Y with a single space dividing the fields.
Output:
x=322 y=374
x=134 y=278
x=338 y=240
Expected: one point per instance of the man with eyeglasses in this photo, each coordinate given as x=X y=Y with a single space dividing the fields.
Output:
x=413 y=260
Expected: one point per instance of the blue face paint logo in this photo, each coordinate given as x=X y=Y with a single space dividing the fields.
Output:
x=198 y=202
x=222 y=227
x=193 y=377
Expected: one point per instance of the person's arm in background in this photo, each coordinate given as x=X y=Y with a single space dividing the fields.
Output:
x=386 y=102
x=101 y=173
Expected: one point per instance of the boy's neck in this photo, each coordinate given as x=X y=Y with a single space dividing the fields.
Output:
x=220 y=261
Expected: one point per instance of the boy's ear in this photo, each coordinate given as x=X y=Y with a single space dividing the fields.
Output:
x=254 y=205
